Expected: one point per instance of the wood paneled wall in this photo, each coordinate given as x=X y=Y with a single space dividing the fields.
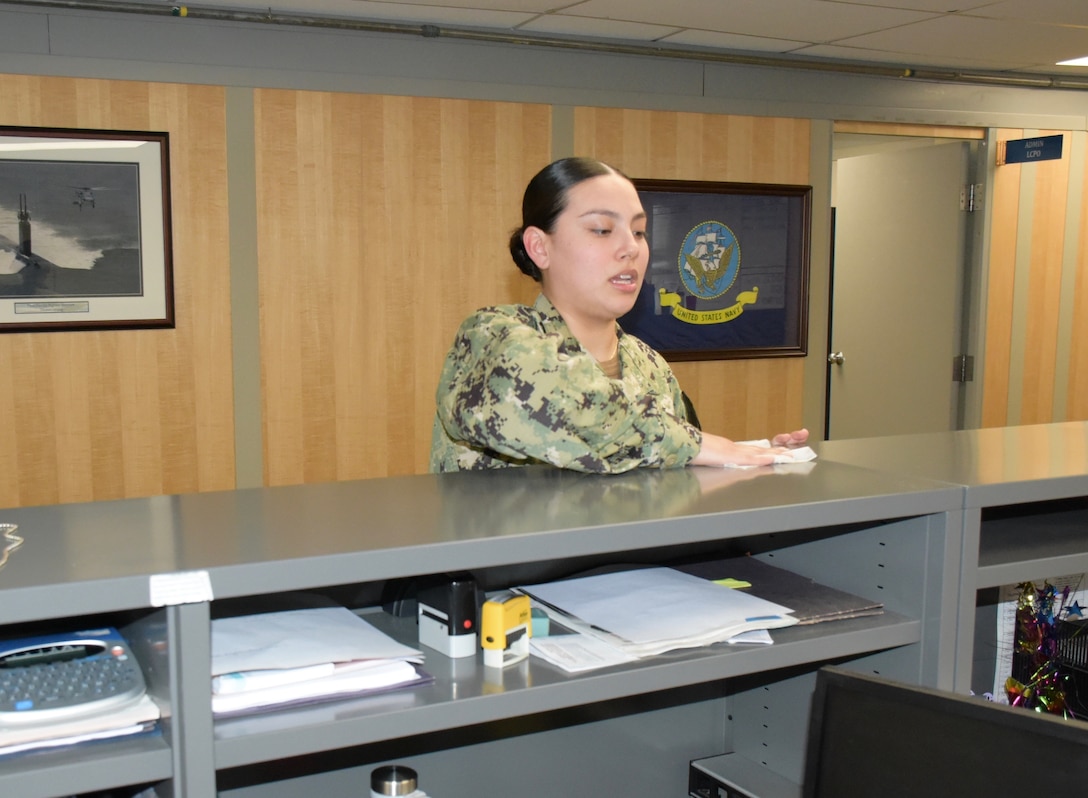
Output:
x=112 y=414
x=382 y=222
x=741 y=399
x=1035 y=369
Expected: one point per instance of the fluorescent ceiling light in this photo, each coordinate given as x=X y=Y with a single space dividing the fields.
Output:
x=1082 y=61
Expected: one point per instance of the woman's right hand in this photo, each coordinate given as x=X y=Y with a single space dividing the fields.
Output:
x=719 y=451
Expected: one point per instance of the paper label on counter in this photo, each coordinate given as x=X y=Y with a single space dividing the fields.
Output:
x=188 y=587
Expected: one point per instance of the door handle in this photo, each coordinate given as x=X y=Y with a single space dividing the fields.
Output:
x=836 y=358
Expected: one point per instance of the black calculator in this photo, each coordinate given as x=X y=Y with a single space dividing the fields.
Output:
x=65 y=676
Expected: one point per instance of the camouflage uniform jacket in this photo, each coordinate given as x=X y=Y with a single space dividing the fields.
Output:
x=518 y=389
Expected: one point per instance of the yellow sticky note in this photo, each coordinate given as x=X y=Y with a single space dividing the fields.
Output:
x=732 y=582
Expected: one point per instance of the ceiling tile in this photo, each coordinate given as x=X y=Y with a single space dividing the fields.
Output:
x=935 y=6
x=804 y=20
x=1015 y=43
x=1055 y=12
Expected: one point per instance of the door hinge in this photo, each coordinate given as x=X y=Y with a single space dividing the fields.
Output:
x=971 y=197
x=963 y=368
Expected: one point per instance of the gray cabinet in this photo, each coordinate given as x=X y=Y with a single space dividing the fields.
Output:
x=1025 y=513
x=531 y=730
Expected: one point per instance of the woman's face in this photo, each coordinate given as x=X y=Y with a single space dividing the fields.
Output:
x=593 y=261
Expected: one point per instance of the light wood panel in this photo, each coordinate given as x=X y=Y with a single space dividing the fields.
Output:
x=1025 y=335
x=1001 y=282
x=1047 y=227
x=738 y=398
x=1077 y=389
x=114 y=414
x=382 y=223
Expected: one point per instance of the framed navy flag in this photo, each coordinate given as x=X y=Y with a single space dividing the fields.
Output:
x=728 y=271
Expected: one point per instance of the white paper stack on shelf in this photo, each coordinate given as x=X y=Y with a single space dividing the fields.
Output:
x=138 y=716
x=296 y=657
x=644 y=612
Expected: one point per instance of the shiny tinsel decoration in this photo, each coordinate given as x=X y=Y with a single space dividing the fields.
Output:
x=1038 y=615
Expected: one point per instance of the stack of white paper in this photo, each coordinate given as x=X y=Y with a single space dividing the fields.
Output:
x=136 y=717
x=302 y=656
x=649 y=611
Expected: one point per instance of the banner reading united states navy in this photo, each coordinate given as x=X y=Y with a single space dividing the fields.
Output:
x=728 y=270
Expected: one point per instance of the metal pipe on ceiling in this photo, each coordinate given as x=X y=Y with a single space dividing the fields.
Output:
x=599 y=46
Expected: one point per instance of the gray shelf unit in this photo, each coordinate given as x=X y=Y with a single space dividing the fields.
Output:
x=635 y=728
x=1025 y=506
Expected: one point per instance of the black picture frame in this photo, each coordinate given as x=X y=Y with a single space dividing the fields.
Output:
x=728 y=270
x=85 y=230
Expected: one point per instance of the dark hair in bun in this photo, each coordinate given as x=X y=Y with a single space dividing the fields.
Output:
x=546 y=197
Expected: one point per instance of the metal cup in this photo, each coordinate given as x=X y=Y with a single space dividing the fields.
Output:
x=392 y=780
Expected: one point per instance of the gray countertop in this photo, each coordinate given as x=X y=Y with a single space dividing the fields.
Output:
x=77 y=559
x=998 y=466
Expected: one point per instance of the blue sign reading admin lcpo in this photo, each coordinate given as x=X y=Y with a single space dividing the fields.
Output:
x=1040 y=148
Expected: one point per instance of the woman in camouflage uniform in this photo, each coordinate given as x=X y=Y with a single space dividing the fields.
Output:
x=559 y=382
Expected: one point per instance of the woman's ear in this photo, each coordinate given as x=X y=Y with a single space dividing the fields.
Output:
x=536 y=244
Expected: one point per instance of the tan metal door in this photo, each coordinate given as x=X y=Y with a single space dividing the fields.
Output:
x=896 y=315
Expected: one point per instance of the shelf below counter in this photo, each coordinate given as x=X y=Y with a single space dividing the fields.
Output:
x=1048 y=542
x=736 y=772
x=465 y=693
x=87 y=767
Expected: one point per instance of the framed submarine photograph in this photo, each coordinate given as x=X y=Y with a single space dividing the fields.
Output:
x=728 y=271
x=85 y=239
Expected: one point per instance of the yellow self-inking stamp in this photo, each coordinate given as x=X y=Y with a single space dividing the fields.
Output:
x=505 y=629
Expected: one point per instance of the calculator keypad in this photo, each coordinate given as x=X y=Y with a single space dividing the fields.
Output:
x=59 y=685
